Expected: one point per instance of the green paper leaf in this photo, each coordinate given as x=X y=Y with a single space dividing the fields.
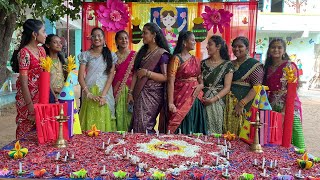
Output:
x=120 y=174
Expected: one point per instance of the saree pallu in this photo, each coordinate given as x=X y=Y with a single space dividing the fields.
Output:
x=239 y=89
x=148 y=95
x=92 y=113
x=121 y=83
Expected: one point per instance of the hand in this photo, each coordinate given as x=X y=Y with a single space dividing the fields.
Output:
x=209 y=101
x=30 y=108
x=196 y=90
x=172 y=108
x=93 y=97
x=31 y=117
x=238 y=110
x=130 y=99
x=141 y=73
x=102 y=101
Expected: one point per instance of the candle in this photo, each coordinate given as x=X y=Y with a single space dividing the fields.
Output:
x=65 y=158
x=264 y=172
x=299 y=173
x=190 y=133
x=226 y=147
x=179 y=130
x=263 y=162
x=103 y=145
x=226 y=171
x=205 y=138
x=104 y=169
x=275 y=163
x=67 y=153
x=225 y=142
x=168 y=131
x=131 y=131
x=228 y=155
x=229 y=145
x=217 y=161
x=139 y=170
x=72 y=156
x=255 y=162
x=157 y=133
x=57 y=169
x=57 y=156
x=271 y=163
x=147 y=132
x=108 y=141
x=20 y=167
x=224 y=152
x=201 y=159
x=218 y=140
x=124 y=151
x=124 y=135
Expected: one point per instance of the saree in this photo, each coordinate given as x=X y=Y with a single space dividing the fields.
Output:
x=121 y=83
x=91 y=112
x=277 y=84
x=148 y=95
x=190 y=115
x=250 y=72
x=29 y=65
x=213 y=79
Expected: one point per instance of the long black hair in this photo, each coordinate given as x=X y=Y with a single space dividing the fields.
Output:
x=106 y=53
x=60 y=56
x=183 y=36
x=268 y=61
x=159 y=39
x=224 y=53
x=30 y=26
x=118 y=34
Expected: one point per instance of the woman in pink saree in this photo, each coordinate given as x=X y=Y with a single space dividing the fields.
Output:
x=185 y=88
x=277 y=60
x=122 y=80
x=148 y=82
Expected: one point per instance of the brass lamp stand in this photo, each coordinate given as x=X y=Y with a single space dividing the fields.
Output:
x=255 y=146
x=61 y=142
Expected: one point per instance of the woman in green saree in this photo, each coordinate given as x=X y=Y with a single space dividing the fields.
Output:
x=248 y=73
x=217 y=72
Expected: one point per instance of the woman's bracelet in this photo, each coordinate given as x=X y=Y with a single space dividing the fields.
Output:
x=242 y=103
x=84 y=88
x=218 y=97
x=147 y=71
x=149 y=75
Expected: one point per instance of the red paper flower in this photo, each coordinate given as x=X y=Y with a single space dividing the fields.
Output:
x=216 y=19
x=113 y=16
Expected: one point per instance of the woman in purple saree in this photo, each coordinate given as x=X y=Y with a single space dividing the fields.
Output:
x=147 y=93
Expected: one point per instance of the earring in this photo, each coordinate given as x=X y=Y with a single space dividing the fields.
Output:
x=154 y=39
x=283 y=56
x=35 y=38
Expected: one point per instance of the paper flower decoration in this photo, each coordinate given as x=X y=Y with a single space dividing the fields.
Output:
x=216 y=19
x=304 y=163
x=316 y=159
x=4 y=172
x=120 y=174
x=121 y=132
x=157 y=175
x=46 y=63
x=246 y=176
x=82 y=173
x=300 y=151
x=229 y=136
x=261 y=100
x=290 y=74
x=17 y=152
x=71 y=65
x=216 y=135
x=113 y=15
x=93 y=131
x=39 y=173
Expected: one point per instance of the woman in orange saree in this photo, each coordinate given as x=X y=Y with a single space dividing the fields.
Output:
x=185 y=88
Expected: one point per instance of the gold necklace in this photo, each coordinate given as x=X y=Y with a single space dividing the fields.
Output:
x=122 y=56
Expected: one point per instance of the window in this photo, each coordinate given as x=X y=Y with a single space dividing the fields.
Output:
x=277 y=5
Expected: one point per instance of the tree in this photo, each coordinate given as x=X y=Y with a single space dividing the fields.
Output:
x=13 y=14
x=296 y=4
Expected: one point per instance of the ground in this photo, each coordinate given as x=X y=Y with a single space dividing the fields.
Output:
x=310 y=104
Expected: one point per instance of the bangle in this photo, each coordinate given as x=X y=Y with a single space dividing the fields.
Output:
x=84 y=88
x=242 y=103
x=218 y=97
x=149 y=75
x=146 y=73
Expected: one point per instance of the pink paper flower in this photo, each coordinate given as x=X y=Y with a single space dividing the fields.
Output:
x=183 y=15
x=113 y=15
x=216 y=19
x=156 y=14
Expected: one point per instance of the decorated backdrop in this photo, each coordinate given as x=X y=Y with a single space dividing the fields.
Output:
x=229 y=19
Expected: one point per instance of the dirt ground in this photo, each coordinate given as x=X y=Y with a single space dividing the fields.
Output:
x=311 y=118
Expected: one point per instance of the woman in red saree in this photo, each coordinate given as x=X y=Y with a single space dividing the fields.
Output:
x=185 y=88
x=26 y=62
x=122 y=80
x=148 y=82
x=277 y=60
